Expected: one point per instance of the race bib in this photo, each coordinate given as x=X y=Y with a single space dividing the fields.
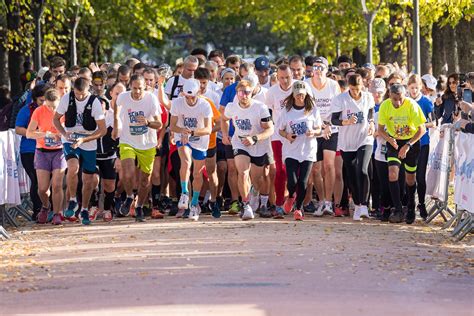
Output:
x=136 y=129
x=383 y=149
x=51 y=142
x=76 y=135
x=194 y=138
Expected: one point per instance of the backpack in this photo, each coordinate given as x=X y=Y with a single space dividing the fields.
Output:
x=88 y=122
x=174 y=86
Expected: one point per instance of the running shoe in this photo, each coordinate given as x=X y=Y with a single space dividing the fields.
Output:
x=85 y=217
x=298 y=215
x=139 y=217
x=125 y=207
x=43 y=215
x=396 y=216
x=50 y=216
x=254 y=200
x=248 y=213
x=180 y=212
x=423 y=212
x=327 y=209
x=289 y=204
x=234 y=208
x=410 y=217
x=194 y=212
x=364 y=211
x=277 y=213
x=93 y=213
x=107 y=216
x=346 y=211
x=357 y=213
x=310 y=208
x=319 y=209
x=264 y=212
x=72 y=208
x=132 y=212
x=338 y=212
x=57 y=219
x=117 y=206
x=157 y=214
x=216 y=210
x=183 y=201
x=186 y=213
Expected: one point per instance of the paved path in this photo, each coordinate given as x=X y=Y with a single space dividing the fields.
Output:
x=264 y=267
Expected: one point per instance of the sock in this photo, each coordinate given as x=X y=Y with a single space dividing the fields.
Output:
x=156 y=194
x=395 y=193
x=263 y=199
x=184 y=187
x=139 y=206
x=108 y=201
x=73 y=199
x=130 y=196
x=411 y=190
x=85 y=209
x=195 y=199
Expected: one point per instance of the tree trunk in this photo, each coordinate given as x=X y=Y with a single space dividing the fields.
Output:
x=37 y=9
x=390 y=47
x=451 y=49
x=96 y=50
x=425 y=55
x=370 y=22
x=465 y=45
x=15 y=58
x=4 y=78
x=358 y=57
x=439 y=50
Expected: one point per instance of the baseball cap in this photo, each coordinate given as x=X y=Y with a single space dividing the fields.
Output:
x=369 y=66
x=41 y=72
x=252 y=79
x=378 y=85
x=299 y=87
x=262 y=63
x=430 y=81
x=191 y=87
x=321 y=60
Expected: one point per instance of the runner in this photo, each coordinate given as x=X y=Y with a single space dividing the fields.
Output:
x=50 y=164
x=300 y=123
x=191 y=122
x=250 y=142
x=329 y=161
x=139 y=114
x=353 y=112
x=262 y=69
x=401 y=124
x=84 y=124
x=174 y=85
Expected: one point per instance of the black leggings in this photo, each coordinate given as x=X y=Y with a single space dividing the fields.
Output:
x=421 y=173
x=382 y=174
x=297 y=174
x=27 y=160
x=357 y=166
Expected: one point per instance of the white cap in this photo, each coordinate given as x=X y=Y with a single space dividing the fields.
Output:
x=41 y=72
x=191 y=87
x=430 y=81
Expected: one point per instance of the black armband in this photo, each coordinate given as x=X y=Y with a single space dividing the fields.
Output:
x=335 y=119
x=370 y=115
x=266 y=119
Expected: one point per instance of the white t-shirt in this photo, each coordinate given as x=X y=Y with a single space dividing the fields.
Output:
x=179 y=87
x=267 y=85
x=78 y=130
x=260 y=96
x=214 y=86
x=132 y=133
x=192 y=117
x=297 y=122
x=213 y=96
x=247 y=122
x=274 y=99
x=352 y=137
x=323 y=98
x=381 y=149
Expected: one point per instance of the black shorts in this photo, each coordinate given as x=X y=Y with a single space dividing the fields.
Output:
x=326 y=144
x=220 y=150
x=105 y=169
x=164 y=150
x=411 y=160
x=258 y=161
x=211 y=152
x=229 y=152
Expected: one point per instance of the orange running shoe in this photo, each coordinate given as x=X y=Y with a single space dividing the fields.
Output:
x=288 y=205
x=298 y=215
x=156 y=214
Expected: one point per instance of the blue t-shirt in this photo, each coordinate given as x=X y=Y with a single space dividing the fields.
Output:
x=22 y=120
x=427 y=108
x=228 y=96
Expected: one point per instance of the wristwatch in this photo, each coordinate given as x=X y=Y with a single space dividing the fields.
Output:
x=192 y=133
x=409 y=145
x=255 y=139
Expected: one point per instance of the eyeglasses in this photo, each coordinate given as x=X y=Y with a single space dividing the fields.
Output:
x=245 y=92
x=320 y=68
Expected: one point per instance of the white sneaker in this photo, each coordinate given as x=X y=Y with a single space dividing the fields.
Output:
x=357 y=211
x=183 y=201
x=364 y=211
x=254 y=201
x=194 y=212
x=327 y=209
x=248 y=213
x=319 y=209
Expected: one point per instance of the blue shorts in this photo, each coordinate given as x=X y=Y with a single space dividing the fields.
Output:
x=196 y=154
x=85 y=157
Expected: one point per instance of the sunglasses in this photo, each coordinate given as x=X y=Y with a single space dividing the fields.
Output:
x=245 y=92
x=320 y=68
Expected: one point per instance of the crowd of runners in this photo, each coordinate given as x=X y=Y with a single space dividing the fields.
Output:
x=221 y=135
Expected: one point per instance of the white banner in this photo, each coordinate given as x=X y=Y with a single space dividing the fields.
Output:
x=464 y=164
x=23 y=179
x=437 y=176
x=9 y=182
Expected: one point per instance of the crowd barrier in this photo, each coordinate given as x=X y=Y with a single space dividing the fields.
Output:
x=448 y=149
x=451 y=151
